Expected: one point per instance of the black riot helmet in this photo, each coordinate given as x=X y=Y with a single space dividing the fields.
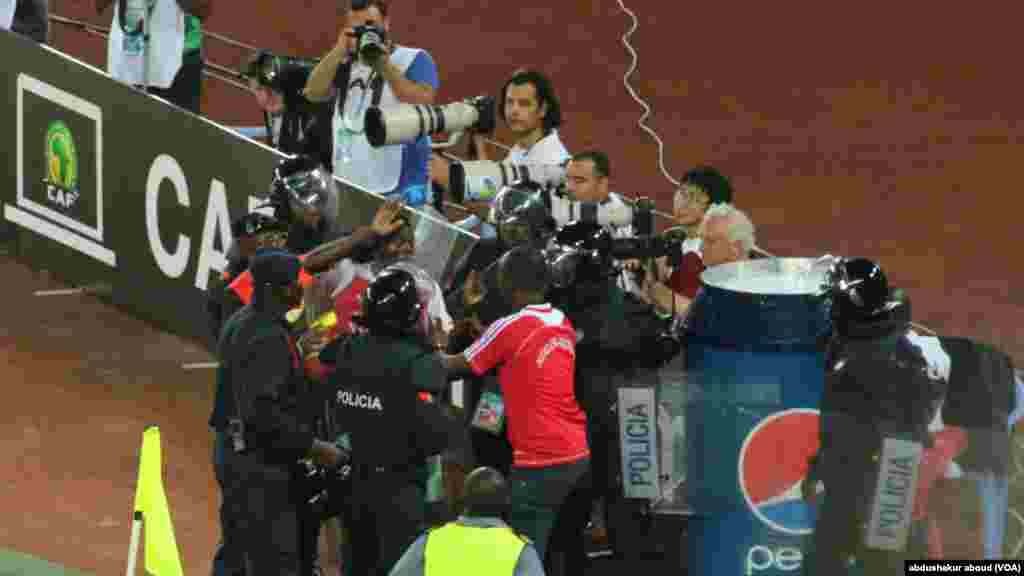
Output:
x=299 y=184
x=391 y=303
x=520 y=215
x=859 y=290
x=582 y=253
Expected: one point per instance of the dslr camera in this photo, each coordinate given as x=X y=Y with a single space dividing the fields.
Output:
x=371 y=43
x=283 y=74
x=584 y=252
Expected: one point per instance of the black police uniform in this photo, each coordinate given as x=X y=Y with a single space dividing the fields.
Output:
x=392 y=432
x=877 y=385
x=221 y=301
x=263 y=377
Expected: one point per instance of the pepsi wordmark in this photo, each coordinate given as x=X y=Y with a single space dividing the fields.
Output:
x=771 y=481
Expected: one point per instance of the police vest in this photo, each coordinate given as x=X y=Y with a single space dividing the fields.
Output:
x=373 y=169
x=374 y=399
x=455 y=549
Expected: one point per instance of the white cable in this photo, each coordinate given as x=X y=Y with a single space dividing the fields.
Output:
x=643 y=104
x=642 y=122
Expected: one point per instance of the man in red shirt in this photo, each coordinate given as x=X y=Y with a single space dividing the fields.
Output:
x=534 y=349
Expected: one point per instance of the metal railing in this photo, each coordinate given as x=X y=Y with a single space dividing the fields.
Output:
x=211 y=69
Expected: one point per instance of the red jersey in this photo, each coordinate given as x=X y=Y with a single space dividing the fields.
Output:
x=535 y=350
x=685 y=279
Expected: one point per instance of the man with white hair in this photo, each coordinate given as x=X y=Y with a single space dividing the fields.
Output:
x=727 y=235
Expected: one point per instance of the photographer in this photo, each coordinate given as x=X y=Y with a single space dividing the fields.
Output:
x=678 y=276
x=528 y=106
x=726 y=235
x=158 y=45
x=366 y=68
x=292 y=124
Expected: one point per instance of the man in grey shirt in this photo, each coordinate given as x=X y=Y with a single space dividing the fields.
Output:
x=479 y=541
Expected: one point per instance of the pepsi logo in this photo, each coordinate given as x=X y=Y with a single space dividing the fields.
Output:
x=773 y=466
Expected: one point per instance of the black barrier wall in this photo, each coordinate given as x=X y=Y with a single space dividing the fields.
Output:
x=105 y=184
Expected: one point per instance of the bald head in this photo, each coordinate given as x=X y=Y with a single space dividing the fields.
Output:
x=485 y=493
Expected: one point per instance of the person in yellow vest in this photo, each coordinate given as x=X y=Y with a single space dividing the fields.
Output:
x=479 y=542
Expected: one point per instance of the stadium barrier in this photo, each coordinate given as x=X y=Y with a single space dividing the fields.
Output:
x=106 y=185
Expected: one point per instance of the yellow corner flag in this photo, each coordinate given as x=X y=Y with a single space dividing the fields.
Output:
x=162 y=557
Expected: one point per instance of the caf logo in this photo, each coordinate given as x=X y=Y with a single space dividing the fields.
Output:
x=61 y=166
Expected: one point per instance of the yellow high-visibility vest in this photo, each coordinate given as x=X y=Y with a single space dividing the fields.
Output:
x=455 y=549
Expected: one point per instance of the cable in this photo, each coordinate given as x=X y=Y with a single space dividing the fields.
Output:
x=642 y=122
x=643 y=104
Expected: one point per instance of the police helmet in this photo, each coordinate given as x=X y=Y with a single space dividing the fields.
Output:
x=860 y=290
x=303 y=180
x=256 y=224
x=519 y=213
x=582 y=253
x=584 y=235
x=391 y=302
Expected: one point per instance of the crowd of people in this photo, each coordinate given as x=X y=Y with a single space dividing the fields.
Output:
x=337 y=352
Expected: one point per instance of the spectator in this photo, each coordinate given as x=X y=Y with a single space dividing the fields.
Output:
x=170 y=63
x=726 y=235
x=479 y=542
x=530 y=109
x=29 y=18
x=406 y=76
x=7 y=8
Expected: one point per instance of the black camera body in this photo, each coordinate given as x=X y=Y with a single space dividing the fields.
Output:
x=371 y=43
x=286 y=75
x=585 y=252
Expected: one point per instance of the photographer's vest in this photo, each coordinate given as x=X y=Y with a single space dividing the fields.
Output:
x=131 y=61
x=456 y=549
x=7 y=8
x=355 y=161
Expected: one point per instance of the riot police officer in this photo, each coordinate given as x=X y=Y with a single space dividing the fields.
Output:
x=884 y=385
x=304 y=194
x=250 y=232
x=374 y=385
x=268 y=426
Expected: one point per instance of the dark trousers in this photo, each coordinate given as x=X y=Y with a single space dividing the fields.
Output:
x=539 y=497
x=228 y=561
x=838 y=543
x=187 y=89
x=259 y=497
x=567 y=555
x=491 y=450
x=384 y=516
